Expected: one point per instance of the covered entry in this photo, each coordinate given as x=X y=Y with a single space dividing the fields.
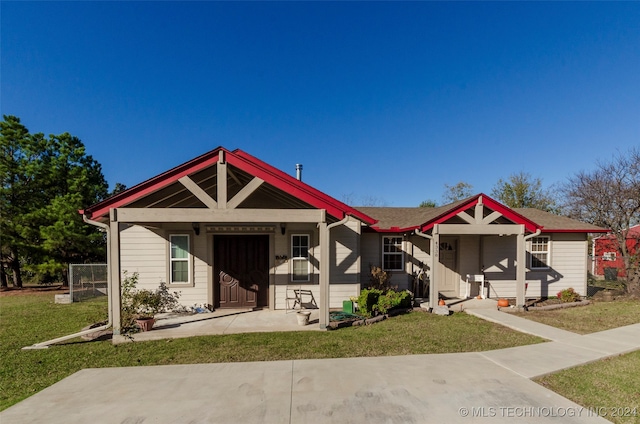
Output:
x=241 y=271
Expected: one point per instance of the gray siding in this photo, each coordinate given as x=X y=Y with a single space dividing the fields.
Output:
x=145 y=251
x=568 y=266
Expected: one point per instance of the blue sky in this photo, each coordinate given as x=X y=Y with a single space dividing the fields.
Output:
x=381 y=100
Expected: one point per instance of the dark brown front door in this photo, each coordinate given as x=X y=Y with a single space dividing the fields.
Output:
x=241 y=266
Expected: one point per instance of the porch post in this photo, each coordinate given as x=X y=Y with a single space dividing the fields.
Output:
x=435 y=260
x=324 y=274
x=521 y=268
x=114 y=268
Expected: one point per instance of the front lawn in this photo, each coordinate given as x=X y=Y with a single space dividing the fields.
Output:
x=609 y=388
x=598 y=316
x=32 y=318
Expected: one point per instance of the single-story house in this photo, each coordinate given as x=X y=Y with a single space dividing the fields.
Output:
x=228 y=230
x=607 y=256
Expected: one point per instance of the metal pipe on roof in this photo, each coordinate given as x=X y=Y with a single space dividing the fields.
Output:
x=299 y=171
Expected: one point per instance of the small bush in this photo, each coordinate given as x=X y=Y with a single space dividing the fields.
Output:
x=568 y=295
x=373 y=301
x=367 y=300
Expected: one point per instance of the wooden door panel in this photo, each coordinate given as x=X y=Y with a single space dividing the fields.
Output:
x=242 y=266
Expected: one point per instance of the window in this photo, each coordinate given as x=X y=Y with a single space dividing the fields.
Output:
x=609 y=256
x=179 y=256
x=300 y=257
x=539 y=254
x=392 y=256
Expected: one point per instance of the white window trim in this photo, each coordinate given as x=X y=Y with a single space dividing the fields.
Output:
x=189 y=261
x=609 y=256
x=548 y=252
x=299 y=258
x=401 y=253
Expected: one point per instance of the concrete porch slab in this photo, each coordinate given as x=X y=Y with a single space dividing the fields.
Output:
x=226 y=321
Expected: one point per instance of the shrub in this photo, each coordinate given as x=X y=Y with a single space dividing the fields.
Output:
x=372 y=301
x=568 y=295
x=393 y=299
x=367 y=300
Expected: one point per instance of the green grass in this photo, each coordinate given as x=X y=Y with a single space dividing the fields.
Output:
x=610 y=387
x=598 y=316
x=29 y=319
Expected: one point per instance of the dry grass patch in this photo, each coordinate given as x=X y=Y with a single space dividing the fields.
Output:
x=598 y=316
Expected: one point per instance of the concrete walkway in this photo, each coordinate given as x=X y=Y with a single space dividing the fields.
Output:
x=566 y=349
x=491 y=386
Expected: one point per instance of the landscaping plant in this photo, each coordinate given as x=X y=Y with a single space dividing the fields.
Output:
x=568 y=295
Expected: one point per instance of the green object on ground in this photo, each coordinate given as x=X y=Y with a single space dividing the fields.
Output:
x=343 y=316
x=347 y=306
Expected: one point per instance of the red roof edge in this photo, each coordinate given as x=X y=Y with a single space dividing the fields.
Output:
x=295 y=187
x=489 y=202
x=155 y=183
x=243 y=161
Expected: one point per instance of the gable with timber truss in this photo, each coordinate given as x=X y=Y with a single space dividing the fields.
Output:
x=480 y=215
x=219 y=182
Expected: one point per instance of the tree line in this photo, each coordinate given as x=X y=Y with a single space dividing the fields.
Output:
x=44 y=182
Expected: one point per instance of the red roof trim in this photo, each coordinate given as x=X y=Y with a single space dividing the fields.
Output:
x=243 y=161
x=490 y=203
x=295 y=187
x=156 y=183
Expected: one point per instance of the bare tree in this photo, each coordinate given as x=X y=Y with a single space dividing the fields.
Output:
x=352 y=199
x=610 y=197
x=456 y=192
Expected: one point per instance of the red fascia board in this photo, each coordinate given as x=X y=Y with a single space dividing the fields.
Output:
x=448 y=214
x=293 y=186
x=154 y=184
x=490 y=203
x=243 y=161
x=510 y=213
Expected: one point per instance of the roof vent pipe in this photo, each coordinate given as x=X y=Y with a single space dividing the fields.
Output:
x=299 y=171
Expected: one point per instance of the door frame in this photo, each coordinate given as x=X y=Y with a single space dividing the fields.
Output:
x=446 y=272
x=213 y=279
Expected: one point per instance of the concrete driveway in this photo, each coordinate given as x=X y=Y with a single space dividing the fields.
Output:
x=447 y=388
x=491 y=386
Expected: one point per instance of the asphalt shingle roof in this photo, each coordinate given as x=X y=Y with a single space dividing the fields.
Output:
x=411 y=217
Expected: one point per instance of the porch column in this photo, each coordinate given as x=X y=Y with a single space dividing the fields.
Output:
x=435 y=260
x=114 y=268
x=521 y=268
x=324 y=274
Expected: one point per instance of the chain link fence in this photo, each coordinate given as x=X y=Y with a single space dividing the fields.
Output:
x=87 y=281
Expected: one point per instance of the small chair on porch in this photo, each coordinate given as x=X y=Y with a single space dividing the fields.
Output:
x=297 y=296
x=473 y=279
x=292 y=298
